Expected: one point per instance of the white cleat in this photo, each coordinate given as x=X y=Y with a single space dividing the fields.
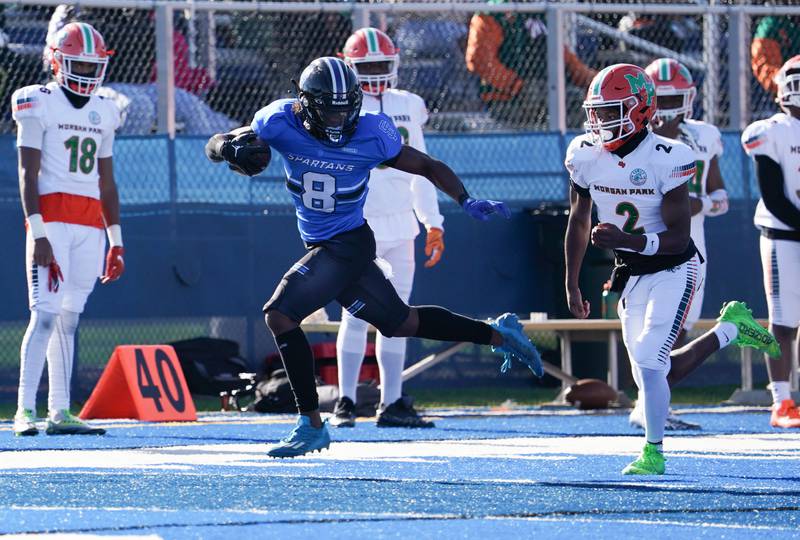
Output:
x=25 y=423
x=674 y=422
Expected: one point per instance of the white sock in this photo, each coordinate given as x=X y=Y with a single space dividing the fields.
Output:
x=391 y=354
x=656 y=403
x=725 y=332
x=60 y=353
x=32 y=356
x=350 y=346
x=781 y=391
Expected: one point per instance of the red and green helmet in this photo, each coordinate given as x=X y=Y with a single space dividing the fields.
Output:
x=368 y=45
x=621 y=102
x=78 y=42
x=672 y=79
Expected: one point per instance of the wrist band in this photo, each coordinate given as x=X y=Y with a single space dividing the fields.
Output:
x=36 y=224
x=651 y=244
x=114 y=233
x=463 y=197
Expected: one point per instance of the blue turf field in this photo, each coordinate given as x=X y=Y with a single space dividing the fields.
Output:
x=542 y=473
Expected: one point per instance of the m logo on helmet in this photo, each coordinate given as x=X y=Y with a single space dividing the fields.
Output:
x=641 y=82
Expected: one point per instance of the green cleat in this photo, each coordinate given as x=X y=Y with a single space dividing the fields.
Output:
x=751 y=334
x=650 y=461
x=65 y=423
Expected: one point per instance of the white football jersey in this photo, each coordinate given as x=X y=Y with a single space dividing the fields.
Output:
x=778 y=138
x=396 y=200
x=73 y=139
x=628 y=191
x=706 y=141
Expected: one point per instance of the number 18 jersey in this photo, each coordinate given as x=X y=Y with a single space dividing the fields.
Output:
x=328 y=183
x=73 y=138
x=628 y=191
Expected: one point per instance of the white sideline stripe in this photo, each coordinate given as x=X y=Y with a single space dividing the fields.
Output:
x=784 y=446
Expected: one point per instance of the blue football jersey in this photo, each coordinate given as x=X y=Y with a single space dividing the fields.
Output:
x=328 y=184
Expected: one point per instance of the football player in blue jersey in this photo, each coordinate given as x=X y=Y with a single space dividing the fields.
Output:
x=328 y=149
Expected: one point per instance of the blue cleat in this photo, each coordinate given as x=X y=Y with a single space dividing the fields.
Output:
x=303 y=439
x=516 y=344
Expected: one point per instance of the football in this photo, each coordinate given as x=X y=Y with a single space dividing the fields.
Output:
x=259 y=156
x=247 y=154
x=591 y=394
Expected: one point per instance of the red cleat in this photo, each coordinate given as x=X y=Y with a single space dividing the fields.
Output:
x=785 y=415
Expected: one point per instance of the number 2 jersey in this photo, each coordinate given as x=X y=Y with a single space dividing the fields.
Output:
x=628 y=191
x=71 y=141
x=329 y=184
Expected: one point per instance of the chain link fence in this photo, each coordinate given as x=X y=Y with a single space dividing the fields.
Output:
x=489 y=73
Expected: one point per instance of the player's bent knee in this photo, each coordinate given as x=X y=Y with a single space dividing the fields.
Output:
x=278 y=323
x=407 y=329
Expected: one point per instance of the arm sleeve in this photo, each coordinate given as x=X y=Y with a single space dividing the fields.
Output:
x=389 y=140
x=30 y=133
x=758 y=139
x=572 y=163
x=771 y=183
x=678 y=170
x=267 y=122
x=483 y=43
x=27 y=109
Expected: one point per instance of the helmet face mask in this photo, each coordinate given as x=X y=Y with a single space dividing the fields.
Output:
x=371 y=54
x=609 y=122
x=620 y=102
x=788 y=83
x=330 y=100
x=79 y=58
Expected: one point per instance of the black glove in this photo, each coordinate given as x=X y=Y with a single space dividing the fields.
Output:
x=244 y=157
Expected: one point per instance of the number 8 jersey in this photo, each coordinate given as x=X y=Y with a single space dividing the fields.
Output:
x=628 y=191
x=71 y=139
x=328 y=183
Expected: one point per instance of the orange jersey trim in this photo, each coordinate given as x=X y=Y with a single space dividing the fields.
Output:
x=75 y=209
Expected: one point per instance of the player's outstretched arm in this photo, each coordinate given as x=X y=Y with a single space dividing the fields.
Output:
x=413 y=161
x=241 y=149
x=577 y=238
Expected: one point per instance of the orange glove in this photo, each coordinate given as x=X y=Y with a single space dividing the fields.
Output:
x=115 y=265
x=434 y=246
x=54 y=277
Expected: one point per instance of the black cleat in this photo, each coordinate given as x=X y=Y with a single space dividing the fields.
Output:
x=344 y=414
x=401 y=413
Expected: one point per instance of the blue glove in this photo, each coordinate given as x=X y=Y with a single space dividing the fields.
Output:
x=481 y=209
